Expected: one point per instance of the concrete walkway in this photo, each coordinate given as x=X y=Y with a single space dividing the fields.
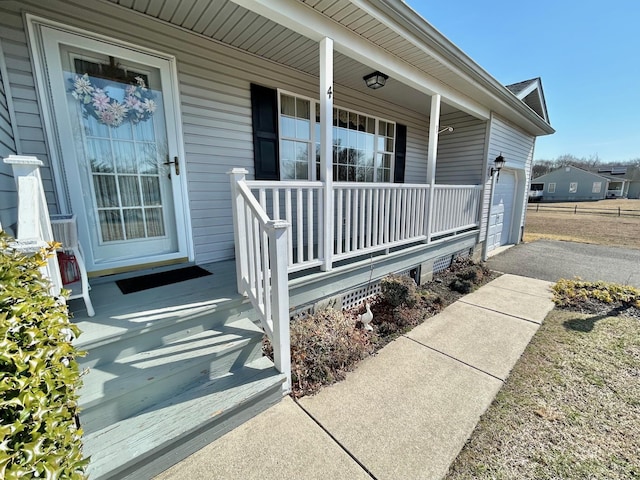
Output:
x=403 y=413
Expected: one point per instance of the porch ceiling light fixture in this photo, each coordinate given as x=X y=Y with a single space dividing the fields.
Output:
x=375 y=80
x=498 y=163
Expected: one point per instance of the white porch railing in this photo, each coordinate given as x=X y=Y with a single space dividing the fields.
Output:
x=370 y=217
x=299 y=203
x=262 y=254
x=279 y=228
x=455 y=208
x=367 y=217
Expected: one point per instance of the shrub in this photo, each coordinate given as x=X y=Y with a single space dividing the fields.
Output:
x=461 y=285
x=38 y=399
x=583 y=295
x=399 y=290
x=324 y=346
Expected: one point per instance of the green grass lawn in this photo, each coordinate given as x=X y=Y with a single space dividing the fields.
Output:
x=569 y=410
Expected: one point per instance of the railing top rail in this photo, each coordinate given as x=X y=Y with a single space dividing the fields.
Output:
x=283 y=184
x=352 y=185
x=457 y=187
x=367 y=185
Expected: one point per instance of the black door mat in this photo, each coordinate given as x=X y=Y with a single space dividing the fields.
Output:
x=145 y=282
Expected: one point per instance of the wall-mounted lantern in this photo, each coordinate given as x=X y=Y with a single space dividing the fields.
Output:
x=498 y=163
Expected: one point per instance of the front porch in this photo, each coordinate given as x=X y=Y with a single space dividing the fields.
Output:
x=173 y=367
x=381 y=181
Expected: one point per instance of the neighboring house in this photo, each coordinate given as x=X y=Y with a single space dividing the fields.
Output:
x=624 y=181
x=570 y=183
x=140 y=110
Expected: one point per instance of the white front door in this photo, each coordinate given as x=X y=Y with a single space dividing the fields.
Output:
x=115 y=118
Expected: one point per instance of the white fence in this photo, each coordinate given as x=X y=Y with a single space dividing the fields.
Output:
x=299 y=203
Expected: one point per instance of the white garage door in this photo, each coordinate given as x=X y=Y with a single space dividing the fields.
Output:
x=502 y=209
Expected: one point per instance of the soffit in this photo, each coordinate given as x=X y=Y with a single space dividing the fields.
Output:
x=229 y=23
x=238 y=27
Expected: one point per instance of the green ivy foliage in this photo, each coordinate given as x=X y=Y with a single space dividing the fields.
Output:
x=40 y=377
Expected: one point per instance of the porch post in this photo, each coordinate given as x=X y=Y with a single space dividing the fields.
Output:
x=326 y=149
x=278 y=260
x=236 y=176
x=34 y=223
x=432 y=153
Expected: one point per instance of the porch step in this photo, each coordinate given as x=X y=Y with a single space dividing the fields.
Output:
x=118 y=390
x=113 y=337
x=148 y=443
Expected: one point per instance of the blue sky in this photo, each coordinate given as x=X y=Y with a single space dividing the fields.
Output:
x=587 y=53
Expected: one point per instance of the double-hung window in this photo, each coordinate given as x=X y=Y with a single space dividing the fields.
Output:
x=363 y=145
x=296 y=137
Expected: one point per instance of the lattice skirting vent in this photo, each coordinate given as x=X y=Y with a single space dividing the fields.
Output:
x=356 y=297
x=444 y=262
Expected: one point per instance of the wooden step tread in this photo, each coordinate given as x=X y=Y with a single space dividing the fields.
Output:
x=179 y=357
x=109 y=327
x=125 y=444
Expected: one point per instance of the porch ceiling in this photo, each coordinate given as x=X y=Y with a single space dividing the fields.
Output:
x=375 y=21
x=241 y=28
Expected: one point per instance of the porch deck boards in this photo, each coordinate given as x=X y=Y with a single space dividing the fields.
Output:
x=119 y=315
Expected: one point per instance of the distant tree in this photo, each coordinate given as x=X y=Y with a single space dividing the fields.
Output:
x=542 y=167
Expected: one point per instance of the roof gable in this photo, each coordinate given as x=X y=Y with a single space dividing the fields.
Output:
x=531 y=94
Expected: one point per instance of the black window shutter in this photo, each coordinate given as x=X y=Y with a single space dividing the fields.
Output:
x=401 y=153
x=264 y=113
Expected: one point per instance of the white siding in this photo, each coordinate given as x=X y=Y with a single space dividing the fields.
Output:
x=517 y=148
x=215 y=99
x=460 y=156
x=8 y=197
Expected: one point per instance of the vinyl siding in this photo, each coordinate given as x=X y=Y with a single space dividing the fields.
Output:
x=8 y=197
x=214 y=94
x=460 y=156
x=517 y=148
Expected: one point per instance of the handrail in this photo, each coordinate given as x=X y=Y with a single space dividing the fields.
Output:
x=261 y=265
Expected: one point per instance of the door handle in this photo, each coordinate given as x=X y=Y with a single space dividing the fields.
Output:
x=176 y=163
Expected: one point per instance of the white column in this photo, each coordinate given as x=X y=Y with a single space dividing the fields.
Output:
x=326 y=149
x=432 y=153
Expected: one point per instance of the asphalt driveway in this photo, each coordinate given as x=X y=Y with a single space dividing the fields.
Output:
x=551 y=260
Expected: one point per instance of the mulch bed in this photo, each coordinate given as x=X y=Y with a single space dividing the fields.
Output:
x=390 y=321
